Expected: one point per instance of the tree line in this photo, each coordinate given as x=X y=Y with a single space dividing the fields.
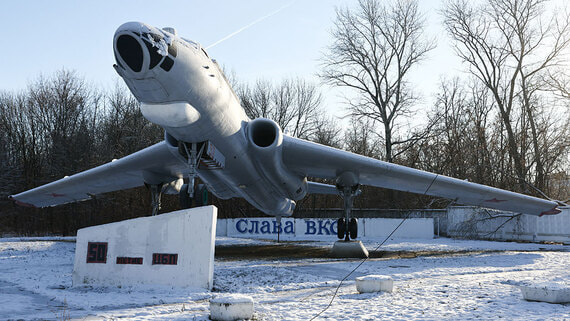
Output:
x=505 y=123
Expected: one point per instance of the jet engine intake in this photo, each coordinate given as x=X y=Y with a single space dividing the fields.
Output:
x=266 y=142
x=264 y=133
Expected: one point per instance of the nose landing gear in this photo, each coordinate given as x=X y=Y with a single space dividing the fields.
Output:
x=189 y=193
x=199 y=197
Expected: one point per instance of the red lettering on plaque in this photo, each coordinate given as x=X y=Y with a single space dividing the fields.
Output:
x=97 y=252
x=164 y=259
x=129 y=260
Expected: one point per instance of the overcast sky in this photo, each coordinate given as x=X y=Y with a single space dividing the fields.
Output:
x=41 y=37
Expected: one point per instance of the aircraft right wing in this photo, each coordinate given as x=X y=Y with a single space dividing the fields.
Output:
x=155 y=163
x=315 y=160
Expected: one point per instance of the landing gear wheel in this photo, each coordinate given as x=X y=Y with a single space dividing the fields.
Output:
x=185 y=199
x=201 y=195
x=353 y=228
x=341 y=228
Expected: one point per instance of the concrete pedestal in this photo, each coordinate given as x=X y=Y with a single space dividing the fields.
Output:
x=173 y=249
x=349 y=249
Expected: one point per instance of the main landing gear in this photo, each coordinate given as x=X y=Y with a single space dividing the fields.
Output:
x=347 y=186
x=155 y=195
x=199 y=196
x=191 y=194
x=347 y=226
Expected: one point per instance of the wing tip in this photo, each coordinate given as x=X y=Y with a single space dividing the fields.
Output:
x=552 y=211
x=20 y=203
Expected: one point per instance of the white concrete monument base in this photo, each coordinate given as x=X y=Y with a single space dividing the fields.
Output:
x=173 y=249
x=551 y=293
x=349 y=249
x=230 y=307
x=374 y=283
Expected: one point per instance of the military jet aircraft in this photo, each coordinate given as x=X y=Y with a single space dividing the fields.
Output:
x=208 y=135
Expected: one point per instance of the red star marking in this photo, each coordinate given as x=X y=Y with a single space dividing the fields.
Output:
x=494 y=200
x=57 y=195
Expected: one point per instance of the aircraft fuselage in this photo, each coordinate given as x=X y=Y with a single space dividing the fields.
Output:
x=184 y=91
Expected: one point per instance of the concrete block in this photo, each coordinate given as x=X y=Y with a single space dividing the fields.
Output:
x=173 y=249
x=548 y=292
x=349 y=249
x=374 y=283
x=229 y=307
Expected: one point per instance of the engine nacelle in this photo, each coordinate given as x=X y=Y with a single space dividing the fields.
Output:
x=266 y=142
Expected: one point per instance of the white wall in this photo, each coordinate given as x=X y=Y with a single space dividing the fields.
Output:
x=190 y=234
x=323 y=229
x=417 y=228
x=467 y=221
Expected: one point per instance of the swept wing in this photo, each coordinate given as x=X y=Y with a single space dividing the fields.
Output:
x=130 y=171
x=315 y=160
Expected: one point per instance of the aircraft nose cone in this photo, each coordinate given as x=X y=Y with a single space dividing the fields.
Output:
x=142 y=47
x=130 y=51
x=129 y=48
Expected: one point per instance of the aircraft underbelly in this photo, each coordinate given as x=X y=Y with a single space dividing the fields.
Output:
x=240 y=178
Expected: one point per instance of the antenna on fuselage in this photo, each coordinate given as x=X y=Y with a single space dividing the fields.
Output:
x=249 y=25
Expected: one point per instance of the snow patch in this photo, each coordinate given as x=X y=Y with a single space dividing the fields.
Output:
x=161 y=43
x=472 y=286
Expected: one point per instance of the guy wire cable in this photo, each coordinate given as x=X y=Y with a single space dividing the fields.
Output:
x=365 y=259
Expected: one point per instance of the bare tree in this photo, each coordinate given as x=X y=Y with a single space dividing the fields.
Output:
x=63 y=111
x=123 y=128
x=510 y=45
x=360 y=139
x=373 y=51
x=461 y=142
x=10 y=137
x=327 y=132
x=294 y=104
x=256 y=100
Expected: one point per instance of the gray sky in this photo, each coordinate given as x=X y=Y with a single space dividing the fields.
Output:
x=41 y=37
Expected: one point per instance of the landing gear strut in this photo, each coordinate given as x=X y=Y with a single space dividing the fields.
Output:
x=155 y=195
x=199 y=198
x=189 y=193
x=192 y=152
x=347 y=227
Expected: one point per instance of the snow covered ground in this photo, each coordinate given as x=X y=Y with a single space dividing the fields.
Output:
x=459 y=280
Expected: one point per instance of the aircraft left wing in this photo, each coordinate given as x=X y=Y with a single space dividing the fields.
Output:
x=154 y=162
x=315 y=160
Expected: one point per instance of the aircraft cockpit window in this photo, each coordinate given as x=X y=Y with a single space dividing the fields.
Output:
x=204 y=51
x=167 y=64
x=155 y=57
x=131 y=52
